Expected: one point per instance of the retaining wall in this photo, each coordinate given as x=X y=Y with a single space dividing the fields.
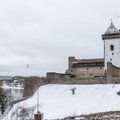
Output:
x=31 y=84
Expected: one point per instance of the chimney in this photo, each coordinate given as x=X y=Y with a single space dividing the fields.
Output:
x=38 y=116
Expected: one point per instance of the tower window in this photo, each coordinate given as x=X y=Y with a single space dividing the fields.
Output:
x=111 y=47
x=110 y=59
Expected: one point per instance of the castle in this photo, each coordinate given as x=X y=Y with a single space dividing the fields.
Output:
x=86 y=71
x=109 y=66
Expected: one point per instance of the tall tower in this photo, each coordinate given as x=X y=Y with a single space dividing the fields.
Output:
x=111 y=39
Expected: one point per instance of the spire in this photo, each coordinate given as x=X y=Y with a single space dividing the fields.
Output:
x=112 y=29
x=111 y=33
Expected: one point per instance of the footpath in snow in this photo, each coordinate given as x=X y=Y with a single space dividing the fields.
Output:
x=57 y=101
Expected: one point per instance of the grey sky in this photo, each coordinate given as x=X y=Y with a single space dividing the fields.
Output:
x=43 y=33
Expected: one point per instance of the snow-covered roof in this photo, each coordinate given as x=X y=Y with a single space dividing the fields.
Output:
x=95 y=60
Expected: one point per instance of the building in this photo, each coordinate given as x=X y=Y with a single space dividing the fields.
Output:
x=111 y=39
x=86 y=68
x=97 y=67
x=86 y=71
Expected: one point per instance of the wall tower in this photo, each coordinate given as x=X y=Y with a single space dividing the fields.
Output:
x=111 y=39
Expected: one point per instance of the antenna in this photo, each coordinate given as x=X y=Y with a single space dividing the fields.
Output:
x=38 y=101
x=27 y=66
x=111 y=21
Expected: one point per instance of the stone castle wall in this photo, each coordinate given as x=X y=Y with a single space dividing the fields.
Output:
x=112 y=71
x=88 y=72
x=112 y=76
x=31 y=84
x=84 y=68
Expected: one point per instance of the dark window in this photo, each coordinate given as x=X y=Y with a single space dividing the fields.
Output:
x=111 y=47
x=87 y=68
x=112 y=53
x=110 y=59
x=90 y=74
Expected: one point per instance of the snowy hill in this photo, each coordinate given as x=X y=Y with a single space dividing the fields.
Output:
x=57 y=101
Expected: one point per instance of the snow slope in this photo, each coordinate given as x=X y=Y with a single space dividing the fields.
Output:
x=57 y=101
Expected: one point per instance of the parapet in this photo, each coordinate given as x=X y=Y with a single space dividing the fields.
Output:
x=57 y=75
x=112 y=70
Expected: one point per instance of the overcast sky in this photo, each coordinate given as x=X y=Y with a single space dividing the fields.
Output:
x=43 y=33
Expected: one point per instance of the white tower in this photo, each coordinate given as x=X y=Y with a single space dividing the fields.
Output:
x=111 y=40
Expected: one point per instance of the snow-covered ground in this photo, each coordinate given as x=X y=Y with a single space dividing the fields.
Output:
x=57 y=101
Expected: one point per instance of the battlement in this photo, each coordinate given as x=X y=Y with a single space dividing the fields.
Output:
x=57 y=75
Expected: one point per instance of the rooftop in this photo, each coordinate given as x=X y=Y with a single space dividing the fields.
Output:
x=88 y=62
x=112 y=29
x=112 y=32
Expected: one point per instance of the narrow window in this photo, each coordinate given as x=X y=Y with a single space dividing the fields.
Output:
x=90 y=74
x=111 y=47
x=112 y=53
x=110 y=59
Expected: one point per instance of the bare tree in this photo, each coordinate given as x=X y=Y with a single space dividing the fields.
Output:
x=4 y=101
x=22 y=113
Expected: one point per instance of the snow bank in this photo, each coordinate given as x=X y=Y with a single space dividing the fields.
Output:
x=57 y=101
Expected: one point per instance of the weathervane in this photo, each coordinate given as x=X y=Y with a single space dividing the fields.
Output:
x=111 y=20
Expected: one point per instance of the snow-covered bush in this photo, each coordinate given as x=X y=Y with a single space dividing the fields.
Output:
x=22 y=113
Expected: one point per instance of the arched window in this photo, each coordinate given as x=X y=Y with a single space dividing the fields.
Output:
x=111 y=47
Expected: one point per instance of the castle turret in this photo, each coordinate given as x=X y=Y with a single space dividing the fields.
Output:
x=111 y=40
x=70 y=60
